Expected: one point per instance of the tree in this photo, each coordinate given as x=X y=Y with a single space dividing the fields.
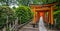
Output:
x=4 y=12
x=23 y=2
x=8 y=2
x=23 y=13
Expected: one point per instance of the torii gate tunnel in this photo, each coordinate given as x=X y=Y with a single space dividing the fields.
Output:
x=40 y=10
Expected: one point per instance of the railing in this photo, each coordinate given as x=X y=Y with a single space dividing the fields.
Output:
x=14 y=26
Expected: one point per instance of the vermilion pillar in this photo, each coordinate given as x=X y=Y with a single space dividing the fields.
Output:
x=34 y=16
x=39 y=10
x=37 y=17
x=52 y=15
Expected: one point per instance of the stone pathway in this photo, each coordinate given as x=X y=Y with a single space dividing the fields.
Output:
x=29 y=27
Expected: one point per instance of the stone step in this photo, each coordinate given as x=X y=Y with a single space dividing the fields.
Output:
x=28 y=26
x=29 y=29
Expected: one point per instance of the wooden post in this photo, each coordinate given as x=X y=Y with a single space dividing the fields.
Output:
x=10 y=27
x=34 y=19
x=44 y=17
x=16 y=24
x=37 y=17
x=7 y=22
x=51 y=14
x=4 y=29
x=20 y=20
x=13 y=25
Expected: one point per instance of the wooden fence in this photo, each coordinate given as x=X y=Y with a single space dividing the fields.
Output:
x=14 y=26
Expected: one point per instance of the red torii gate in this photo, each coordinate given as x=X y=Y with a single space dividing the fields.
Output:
x=40 y=10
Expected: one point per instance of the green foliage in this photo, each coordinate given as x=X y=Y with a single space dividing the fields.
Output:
x=4 y=12
x=43 y=1
x=23 y=13
x=26 y=2
x=23 y=2
x=7 y=2
x=57 y=17
x=35 y=2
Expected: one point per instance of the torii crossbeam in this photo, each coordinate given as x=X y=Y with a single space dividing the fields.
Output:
x=40 y=10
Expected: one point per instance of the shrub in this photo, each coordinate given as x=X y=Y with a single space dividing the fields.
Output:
x=23 y=13
x=57 y=17
x=4 y=12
